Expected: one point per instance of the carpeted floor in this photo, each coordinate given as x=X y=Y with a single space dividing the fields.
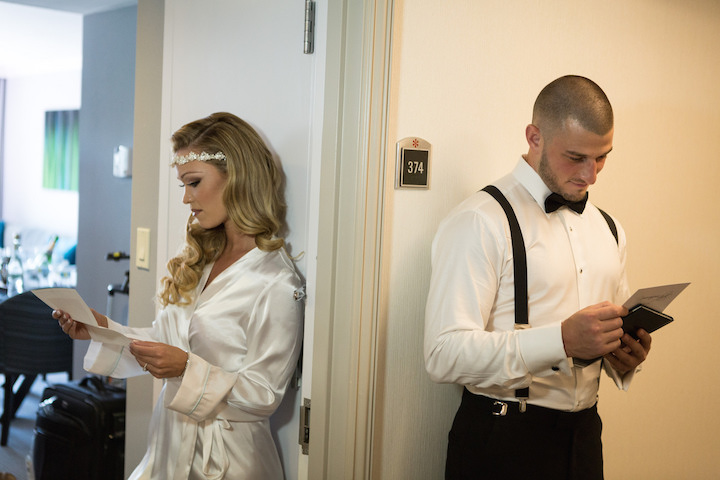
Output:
x=12 y=456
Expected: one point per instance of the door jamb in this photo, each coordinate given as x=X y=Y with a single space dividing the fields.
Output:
x=352 y=185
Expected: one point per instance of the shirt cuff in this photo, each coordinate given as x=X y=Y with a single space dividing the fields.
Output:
x=622 y=382
x=543 y=351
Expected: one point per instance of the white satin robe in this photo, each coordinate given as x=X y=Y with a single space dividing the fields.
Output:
x=243 y=334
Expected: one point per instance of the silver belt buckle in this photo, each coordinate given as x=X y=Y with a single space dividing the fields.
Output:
x=500 y=409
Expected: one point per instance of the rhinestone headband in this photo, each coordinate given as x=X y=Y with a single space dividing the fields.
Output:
x=192 y=156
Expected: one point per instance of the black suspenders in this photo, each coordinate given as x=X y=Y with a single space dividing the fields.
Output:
x=520 y=268
x=519 y=258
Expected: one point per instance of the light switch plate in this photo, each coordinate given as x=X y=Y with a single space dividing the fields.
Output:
x=142 y=252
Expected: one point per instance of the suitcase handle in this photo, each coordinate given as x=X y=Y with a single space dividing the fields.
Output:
x=97 y=384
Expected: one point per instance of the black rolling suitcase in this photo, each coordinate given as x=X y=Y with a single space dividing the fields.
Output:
x=80 y=431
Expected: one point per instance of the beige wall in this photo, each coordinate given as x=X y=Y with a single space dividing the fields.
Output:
x=464 y=77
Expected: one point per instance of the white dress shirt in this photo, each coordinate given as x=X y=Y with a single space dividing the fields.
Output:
x=573 y=262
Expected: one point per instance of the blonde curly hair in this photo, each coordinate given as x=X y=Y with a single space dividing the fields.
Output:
x=253 y=197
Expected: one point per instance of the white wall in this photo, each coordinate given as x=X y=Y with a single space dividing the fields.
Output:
x=25 y=201
x=41 y=58
x=146 y=151
x=36 y=40
x=464 y=77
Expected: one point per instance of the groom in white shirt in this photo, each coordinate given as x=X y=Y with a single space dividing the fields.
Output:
x=529 y=403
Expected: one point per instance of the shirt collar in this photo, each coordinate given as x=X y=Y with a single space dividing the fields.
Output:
x=532 y=182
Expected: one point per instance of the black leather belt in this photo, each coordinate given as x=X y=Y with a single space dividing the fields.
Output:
x=502 y=408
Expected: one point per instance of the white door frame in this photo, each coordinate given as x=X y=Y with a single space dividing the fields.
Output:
x=352 y=184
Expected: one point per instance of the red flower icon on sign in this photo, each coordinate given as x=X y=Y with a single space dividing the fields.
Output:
x=415 y=142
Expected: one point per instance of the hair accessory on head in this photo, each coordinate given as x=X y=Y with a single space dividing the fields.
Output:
x=192 y=156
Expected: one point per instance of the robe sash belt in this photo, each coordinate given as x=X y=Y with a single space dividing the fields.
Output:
x=212 y=441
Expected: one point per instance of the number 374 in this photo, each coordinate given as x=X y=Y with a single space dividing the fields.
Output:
x=415 y=167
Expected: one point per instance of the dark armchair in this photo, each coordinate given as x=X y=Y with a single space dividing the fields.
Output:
x=31 y=344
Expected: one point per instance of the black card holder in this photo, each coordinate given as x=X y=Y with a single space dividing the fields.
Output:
x=640 y=316
x=646 y=318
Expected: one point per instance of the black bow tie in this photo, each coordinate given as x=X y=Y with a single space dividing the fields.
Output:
x=555 y=201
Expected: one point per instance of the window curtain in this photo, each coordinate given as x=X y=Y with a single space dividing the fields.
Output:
x=60 y=166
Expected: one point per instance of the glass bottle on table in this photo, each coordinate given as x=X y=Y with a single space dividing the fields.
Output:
x=44 y=258
x=15 y=271
x=49 y=250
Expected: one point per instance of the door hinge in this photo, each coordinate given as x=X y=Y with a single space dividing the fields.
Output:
x=309 y=41
x=304 y=439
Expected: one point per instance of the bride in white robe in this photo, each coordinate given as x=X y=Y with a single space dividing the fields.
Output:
x=213 y=421
x=228 y=337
